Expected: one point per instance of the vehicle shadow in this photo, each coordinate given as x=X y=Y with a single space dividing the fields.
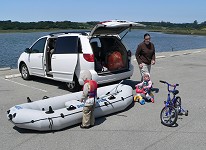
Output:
x=133 y=83
x=126 y=82
x=59 y=84
x=63 y=86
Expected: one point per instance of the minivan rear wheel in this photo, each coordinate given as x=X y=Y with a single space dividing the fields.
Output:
x=24 y=72
x=74 y=86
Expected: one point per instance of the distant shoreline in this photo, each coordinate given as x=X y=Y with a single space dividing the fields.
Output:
x=180 y=31
x=9 y=26
x=32 y=30
x=166 y=31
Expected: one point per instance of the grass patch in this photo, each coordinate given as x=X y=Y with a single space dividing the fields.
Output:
x=180 y=31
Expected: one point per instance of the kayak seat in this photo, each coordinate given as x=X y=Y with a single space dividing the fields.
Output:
x=111 y=97
x=50 y=111
x=71 y=107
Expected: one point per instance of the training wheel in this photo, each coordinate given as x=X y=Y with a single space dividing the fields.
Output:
x=186 y=113
x=45 y=97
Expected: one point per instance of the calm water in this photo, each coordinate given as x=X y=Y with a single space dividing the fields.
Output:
x=13 y=44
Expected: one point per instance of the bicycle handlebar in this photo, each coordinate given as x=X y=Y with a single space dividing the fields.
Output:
x=169 y=85
x=163 y=81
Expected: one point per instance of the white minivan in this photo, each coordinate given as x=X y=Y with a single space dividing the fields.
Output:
x=64 y=56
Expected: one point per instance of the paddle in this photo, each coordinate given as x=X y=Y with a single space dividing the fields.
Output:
x=110 y=91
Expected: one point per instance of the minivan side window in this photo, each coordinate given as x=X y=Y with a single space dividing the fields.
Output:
x=38 y=47
x=66 y=45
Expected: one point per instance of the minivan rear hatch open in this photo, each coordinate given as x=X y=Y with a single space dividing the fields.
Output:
x=113 y=27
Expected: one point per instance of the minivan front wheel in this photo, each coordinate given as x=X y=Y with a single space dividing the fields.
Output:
x=73 y=86
x=24 y=72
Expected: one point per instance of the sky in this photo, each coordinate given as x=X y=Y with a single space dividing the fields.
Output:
x=174 y=11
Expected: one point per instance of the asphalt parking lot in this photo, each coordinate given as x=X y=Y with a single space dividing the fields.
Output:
x=138 y=127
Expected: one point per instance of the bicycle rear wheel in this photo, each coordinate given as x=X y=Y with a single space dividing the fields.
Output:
x=168 y=116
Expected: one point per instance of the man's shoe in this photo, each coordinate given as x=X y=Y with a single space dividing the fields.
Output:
x=84 y=127
x=91 y=126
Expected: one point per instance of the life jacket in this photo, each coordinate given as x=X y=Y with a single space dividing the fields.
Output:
x=93 y=88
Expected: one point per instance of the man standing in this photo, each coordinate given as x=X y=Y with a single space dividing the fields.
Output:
x=88 y=97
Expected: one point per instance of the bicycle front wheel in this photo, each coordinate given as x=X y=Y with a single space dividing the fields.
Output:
x=168 y=116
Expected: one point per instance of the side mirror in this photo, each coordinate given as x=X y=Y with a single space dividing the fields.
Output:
x=27 y=50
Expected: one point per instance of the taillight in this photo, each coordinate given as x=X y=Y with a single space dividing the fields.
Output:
x=89 y=57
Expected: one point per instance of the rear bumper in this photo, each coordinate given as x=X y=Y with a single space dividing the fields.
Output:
x=110 y=77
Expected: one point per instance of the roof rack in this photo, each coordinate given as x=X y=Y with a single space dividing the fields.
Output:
x=67 y=32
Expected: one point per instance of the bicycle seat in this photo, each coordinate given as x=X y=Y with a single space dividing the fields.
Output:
x=175 y=92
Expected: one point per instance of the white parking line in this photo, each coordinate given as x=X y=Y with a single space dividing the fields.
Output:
x=196 y=52
x=25 y=85
x=12 y=76
x=4 y=69
x=160 y=56
x=187 y=53
x=174 y=55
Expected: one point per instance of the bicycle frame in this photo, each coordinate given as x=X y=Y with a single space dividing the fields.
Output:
x=171 y=101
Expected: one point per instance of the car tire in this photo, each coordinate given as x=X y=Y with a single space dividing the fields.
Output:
x=73 y=86
x=24 y=72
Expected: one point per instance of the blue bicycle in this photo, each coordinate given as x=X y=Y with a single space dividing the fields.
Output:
x=172 y=108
